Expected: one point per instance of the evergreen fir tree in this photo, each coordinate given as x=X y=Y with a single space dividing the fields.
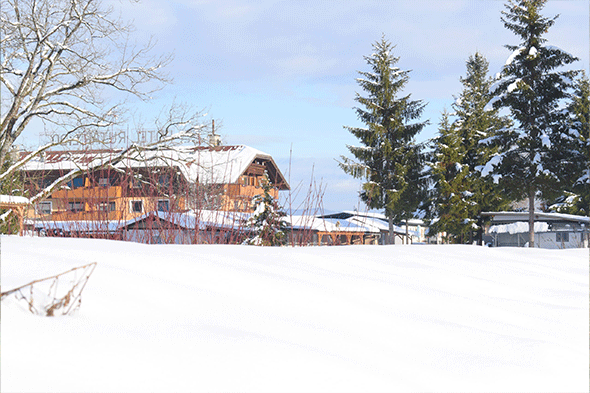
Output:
x=579 y=110
x=451 y=201
x=267 y=222
x=459 y=151
x=532 y=88
x=390 y=161
x=576 y=199
x=476 y=125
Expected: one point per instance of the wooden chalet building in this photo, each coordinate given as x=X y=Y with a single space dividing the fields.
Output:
x=222 y=178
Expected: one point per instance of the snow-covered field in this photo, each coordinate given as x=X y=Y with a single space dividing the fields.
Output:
x=163 y=318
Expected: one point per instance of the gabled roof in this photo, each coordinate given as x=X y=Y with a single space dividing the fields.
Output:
x=207 y=165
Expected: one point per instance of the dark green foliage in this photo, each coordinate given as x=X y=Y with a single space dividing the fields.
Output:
x=579 y=110
x=532 y=87
x=451 y=200
x=577 y=152
x=459 y=192
x=532 y=161
x=389 y=159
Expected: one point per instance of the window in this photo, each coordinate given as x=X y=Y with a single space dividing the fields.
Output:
x=76 y=182
x=107 y=207
x=562 y=237
x=104 y=182
x=76 y=206
x=163 y=205
x=44 y=207
x=136 y=206
x=164 y=180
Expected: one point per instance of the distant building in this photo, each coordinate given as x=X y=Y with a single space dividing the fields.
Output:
x=169 y=180
x=115 y=189
x=375 y=226
x=552 y=230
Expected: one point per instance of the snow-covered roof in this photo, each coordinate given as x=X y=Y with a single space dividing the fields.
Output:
x=207 y=165
x=519 y=227
x=343 y=222
x=376 y=222
x=326 y=225
x=14 y=200
x=77 y=226
x=201 y=219
x=523 y=216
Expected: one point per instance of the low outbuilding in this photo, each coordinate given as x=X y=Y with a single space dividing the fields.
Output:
x=552 y=230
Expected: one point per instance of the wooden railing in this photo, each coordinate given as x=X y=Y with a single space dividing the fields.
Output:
x=89 y=215
x=87 y=193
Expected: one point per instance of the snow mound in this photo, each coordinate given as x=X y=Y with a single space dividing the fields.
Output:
x=180 y=318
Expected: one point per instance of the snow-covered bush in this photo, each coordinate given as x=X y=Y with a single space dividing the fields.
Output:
x=266 y=223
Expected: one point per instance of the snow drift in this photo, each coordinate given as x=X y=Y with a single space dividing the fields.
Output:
x=164 y=318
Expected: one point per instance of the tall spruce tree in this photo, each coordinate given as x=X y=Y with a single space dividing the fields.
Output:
x=475 y=126
x=458 y=151
x=576 y=199
x=451 y=201
x=532 y=87
x=390 y=161
x=579 y=110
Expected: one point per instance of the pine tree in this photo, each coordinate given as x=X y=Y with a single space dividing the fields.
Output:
x=451 y=204
x=390 y=161
x=576 y=199
x=460 y=193
x=532 y=88
x=476 y=125
x=267 y=222
x=579 y=110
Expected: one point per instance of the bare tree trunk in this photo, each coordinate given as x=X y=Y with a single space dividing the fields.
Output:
x=390 y=238
x=407 y=233
x=479 y=231
x=531 y=217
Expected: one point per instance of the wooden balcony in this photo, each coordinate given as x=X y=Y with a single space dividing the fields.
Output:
x=89 y=193
x=88 y=215
x=239 y=190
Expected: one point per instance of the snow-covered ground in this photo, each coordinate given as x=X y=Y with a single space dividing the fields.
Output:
x=164 y=318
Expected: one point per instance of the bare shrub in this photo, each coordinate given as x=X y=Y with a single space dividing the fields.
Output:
x=56 y=295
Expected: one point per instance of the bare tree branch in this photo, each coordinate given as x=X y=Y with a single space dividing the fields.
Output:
x=58 y=56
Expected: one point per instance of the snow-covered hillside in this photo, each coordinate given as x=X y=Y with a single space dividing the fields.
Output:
x=242 y=318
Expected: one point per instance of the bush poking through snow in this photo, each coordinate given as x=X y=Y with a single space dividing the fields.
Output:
x=46 y=297
x=266 y=223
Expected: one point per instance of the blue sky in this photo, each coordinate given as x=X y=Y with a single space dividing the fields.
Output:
x=280 y=75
